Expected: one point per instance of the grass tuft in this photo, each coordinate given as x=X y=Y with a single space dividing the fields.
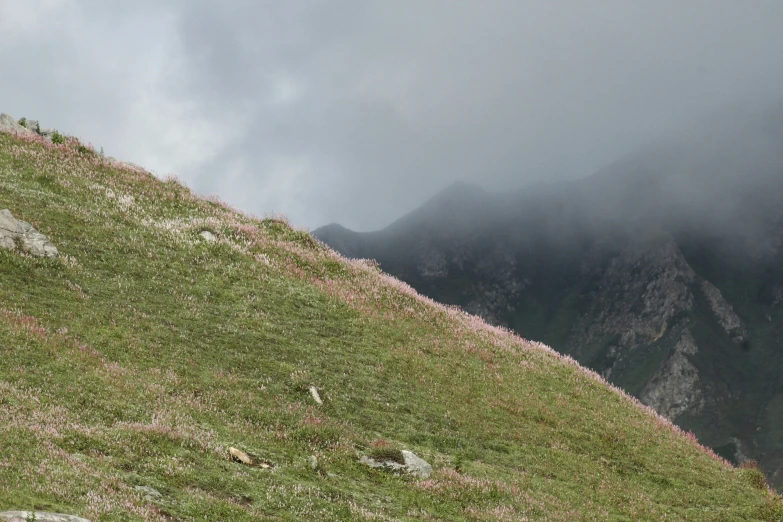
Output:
x=386 y=454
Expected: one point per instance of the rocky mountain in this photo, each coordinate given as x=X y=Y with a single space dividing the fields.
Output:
x=663 y=272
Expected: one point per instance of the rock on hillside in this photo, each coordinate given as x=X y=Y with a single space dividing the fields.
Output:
x=17 y=233
x=39 y=516
x=8 y=124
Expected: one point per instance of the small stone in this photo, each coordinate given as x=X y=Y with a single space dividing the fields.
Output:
x=247 y=459
x=39 y=516
x=208 y=236
x=241 y=456
x=314 y=394
x=389 y=465
x=149 y=492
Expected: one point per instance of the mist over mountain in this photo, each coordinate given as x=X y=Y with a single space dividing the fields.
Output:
x=663 y=271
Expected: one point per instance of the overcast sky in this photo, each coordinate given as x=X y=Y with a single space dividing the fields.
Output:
x=357 y=111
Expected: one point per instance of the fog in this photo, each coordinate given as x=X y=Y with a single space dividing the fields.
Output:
x=359 y=111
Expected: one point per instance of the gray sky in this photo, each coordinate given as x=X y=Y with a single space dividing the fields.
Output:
x=357 y=111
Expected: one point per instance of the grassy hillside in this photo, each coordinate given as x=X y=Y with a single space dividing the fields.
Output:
x=623 y=270
x=142 y=353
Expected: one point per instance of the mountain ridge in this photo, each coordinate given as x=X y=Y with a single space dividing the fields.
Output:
x=661 y=272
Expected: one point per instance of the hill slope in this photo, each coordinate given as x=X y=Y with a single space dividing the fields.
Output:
x=137 y=357
x=663 y=272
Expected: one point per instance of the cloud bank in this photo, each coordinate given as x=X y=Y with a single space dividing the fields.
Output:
x=356 y=111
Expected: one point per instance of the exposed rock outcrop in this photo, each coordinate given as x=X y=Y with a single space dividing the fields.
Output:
x=675 y=388
x=432 y=263
x=640 y=292
x=416 y=465
x=496 y=284
x=8 y=124
x=724 y=312
x=31 y=125
x=412 y=464
x=15 y=233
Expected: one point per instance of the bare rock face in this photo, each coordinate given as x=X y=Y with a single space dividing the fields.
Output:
x=432 y=263
x=15 y=233
x=8 y=124
x=639 y=295
x=496 y=283
x=499 y=285
x=674 y=389
x=39 y=516
x=724 y=312
x=31 y=125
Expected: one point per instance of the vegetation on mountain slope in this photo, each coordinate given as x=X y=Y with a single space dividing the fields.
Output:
x=144 y=351
x=663 y=272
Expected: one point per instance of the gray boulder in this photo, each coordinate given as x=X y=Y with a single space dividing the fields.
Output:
x=414 y=465
x=8 y=124
x=14 y=232
x=388 y=465
x=208 y=236
x=39 y=516
x=150 y=494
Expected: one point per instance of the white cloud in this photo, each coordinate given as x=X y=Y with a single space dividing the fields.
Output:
x=25 y=21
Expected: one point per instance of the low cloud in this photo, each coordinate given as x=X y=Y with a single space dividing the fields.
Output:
x=358 y=111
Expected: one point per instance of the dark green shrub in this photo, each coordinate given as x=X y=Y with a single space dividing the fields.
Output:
x=83 y=149
x=23 y=122
x=754 y=475
x=58 y=138
x=386 y=453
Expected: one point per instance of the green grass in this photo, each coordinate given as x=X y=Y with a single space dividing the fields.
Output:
x=141 y=354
